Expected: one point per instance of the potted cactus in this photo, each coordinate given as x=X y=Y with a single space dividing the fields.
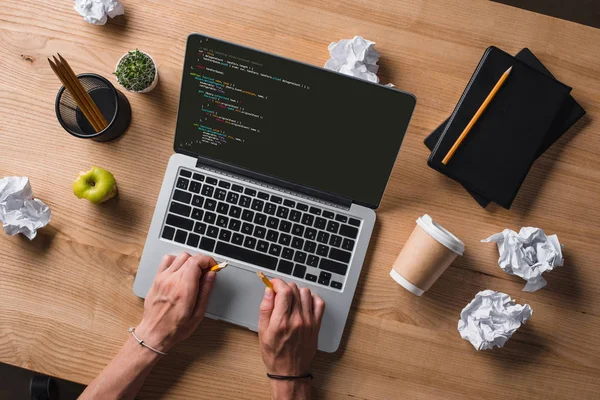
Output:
x=136 y=71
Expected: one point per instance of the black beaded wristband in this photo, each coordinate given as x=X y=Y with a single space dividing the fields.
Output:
x=289 y=377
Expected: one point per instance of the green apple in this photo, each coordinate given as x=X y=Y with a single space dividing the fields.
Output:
x=97 y=185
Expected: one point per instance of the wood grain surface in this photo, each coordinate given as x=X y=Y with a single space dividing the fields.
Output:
x=66 y=298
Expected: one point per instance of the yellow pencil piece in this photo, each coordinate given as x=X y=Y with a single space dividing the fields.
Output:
x=219 y=267
x=480 y=111
x=265 y=280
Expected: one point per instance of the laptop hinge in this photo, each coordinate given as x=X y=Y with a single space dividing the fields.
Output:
x=275 y=183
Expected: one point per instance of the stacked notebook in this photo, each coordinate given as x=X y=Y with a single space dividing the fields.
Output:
x=526 y=116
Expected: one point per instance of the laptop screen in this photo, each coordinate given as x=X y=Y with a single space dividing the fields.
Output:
x=288 y=120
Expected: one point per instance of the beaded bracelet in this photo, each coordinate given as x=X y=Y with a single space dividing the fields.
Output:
x=289 y=377
x=142 y=343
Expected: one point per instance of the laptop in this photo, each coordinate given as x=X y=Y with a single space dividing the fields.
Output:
x=278 y=167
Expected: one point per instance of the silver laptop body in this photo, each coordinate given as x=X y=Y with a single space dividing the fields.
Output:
x=238 y=291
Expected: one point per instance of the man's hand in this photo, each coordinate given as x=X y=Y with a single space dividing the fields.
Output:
x=173 y=309
x=288 y=331
x=176 y=303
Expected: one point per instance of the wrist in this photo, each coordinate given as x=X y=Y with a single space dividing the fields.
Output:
x=151 y=336
x=290 y=390
x=141 y=355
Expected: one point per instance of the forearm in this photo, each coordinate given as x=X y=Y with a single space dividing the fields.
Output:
x=290 y=390
x=125 y=375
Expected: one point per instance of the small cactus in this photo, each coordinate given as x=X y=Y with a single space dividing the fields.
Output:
x=136 y=71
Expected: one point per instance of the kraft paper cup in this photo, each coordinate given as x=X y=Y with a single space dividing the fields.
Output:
x=429 y=250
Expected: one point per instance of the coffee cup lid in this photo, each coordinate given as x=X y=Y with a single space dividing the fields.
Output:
x=440 y=234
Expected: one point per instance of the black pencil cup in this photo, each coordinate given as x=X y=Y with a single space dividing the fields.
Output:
x=111 y=102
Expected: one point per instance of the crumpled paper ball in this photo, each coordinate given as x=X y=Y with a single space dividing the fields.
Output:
x=528 y=254
x=491 y=318
x=19 y=211
x=355 y=57
x=96 y=11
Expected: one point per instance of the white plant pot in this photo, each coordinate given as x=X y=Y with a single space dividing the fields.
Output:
x=152 y=85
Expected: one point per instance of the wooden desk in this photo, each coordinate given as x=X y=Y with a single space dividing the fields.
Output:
x=66 y=299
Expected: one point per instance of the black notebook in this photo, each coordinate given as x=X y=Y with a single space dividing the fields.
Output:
x=567 y=116
x=496 y=155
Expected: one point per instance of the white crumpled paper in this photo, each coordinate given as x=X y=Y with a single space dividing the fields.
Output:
x=528 y=254
x=96 y=11
x=491 y=318
x=19 y=211
x=355 y=57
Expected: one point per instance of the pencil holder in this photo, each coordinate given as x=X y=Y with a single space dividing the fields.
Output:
x=113 y=105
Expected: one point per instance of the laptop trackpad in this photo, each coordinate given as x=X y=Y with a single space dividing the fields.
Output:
x=236 y=297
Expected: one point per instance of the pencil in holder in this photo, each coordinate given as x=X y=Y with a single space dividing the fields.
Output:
x=113 y=105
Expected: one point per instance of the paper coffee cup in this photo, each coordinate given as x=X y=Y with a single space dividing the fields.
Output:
x=429 y=250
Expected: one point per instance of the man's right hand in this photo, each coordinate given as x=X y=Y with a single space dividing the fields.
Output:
x=288 y=332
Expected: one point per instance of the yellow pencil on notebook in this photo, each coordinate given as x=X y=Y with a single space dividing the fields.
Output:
x=265 y=280
x=219 y=267
x=482 y=108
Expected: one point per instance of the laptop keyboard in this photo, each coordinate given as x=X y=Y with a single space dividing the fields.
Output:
x=267 y=230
